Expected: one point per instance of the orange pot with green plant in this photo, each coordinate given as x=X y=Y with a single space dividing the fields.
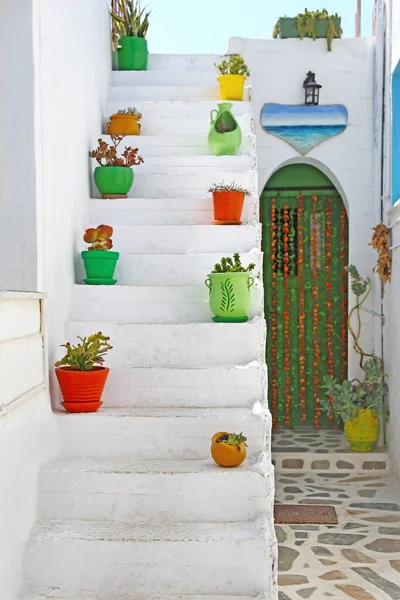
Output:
x=125 y=122
x=81 y=374
x=228 y=200
x=228 y=449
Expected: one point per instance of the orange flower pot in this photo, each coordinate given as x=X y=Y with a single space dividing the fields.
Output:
x=226 y=455
x=123 y=125
x=228 y=207
x=82 y=390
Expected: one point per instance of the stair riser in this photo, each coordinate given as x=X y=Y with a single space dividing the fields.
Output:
x=168 y=93
x=372 y=463
x=207 y=388
x=196 y=110
x=158 y=438
x=152 y=568
x=143 y=498
x=185 y=62
x=176 y=185
x=193 y=345
x=160 y=270
x=166 y=77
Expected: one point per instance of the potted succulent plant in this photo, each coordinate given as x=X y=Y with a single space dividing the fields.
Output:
x=124 y=122
x=358 y=404
x=114 y=176
x=229 y=284
x=130 y=25
x=81 y=373
x=312 y=24
x=233 y=73
x=228 y=199
x=99 y=262
x=228 y=449
x=225 y=135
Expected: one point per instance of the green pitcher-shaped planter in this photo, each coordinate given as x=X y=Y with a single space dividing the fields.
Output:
x=230 y=297
x=225 y=136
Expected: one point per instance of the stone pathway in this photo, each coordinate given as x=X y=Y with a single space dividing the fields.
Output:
x=360 y=557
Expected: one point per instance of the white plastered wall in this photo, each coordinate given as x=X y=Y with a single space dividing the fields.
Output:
x=278 y=69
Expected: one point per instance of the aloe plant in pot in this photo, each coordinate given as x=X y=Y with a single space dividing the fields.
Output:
x=99 y=262
x=130 y=25
x=114 y=176
x=81 y=374
x=229 y=284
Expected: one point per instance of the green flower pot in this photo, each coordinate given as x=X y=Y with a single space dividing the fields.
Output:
x=113 y=181
x=288 y=27
x=230 y=297
x=100 y=266
x=225 y=135
x=133 y=54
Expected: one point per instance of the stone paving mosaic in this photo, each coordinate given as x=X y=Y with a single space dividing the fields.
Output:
x=360 y=557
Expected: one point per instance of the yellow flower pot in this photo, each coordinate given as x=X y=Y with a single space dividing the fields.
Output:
x=362 y=432
x=231 y=87
x=123 y=125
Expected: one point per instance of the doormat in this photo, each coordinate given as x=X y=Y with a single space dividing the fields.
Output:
x=305 y=515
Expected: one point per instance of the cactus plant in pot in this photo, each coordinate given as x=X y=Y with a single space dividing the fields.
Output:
x=228 y=449
x=81 y=374
x=114 y=176
x=99 y=262
x=229 y=285
x=125 y=122
x=228 y=200
x=130 y=25
x=233 y=73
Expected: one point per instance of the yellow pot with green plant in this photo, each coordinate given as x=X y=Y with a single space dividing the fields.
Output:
x=233 y=73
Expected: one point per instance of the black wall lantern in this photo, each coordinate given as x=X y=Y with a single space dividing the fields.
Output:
x=311 y=90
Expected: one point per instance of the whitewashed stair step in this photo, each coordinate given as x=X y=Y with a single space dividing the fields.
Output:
x=148 y=304
x=200 y=558
x=166 y=77
x=162 y=211
x=169 y=269
x=168 y=92
x=183 y=61
x=218 y=387
x=65 y=594
x=178 y=345
x=186 y=239
x=157 y=433
x=178 y=185
x=147 y=491
x=199 y=110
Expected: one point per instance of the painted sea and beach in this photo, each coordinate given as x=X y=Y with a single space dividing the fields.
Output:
x=304 y=127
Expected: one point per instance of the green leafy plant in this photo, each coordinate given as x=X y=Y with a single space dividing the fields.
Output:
x=227 y=265
x=234 y=65
x=131 y=111
x=107 y=154
x=233 y=439
x=307 y=25
x=129 y=18
x=99 y=238
x=228 y=187
x=84 y=356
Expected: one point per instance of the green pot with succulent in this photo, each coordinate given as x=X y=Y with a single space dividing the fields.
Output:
x=130 y=25
x=229 y=285
x=358 y=404
x=228 y=200
x=225 y=135
x=98 y=259
x=233 y=73
x=311 y=24
x=125 y=122
x=81 y=374
x=114 y=176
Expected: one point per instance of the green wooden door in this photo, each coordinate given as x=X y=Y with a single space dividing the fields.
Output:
x=305 y=243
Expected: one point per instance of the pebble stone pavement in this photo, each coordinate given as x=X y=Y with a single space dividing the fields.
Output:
x=360 y=557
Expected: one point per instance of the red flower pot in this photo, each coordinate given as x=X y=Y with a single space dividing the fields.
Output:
x=228 y=207
x=82 y=390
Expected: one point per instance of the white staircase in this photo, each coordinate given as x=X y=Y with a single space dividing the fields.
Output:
x=135 y=508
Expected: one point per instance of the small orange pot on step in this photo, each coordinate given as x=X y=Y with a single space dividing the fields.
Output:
x=123 y=125
x=82 y=390
x=224 y=454
x=228 y=207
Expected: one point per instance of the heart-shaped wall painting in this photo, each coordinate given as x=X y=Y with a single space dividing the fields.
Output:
x=304 y=127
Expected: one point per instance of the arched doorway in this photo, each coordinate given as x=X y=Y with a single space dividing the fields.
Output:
x=305 y=243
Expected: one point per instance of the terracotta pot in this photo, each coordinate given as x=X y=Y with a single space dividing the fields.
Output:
x=82 y=390
x=225 y=455
x=228 y=207
x=123 y=125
